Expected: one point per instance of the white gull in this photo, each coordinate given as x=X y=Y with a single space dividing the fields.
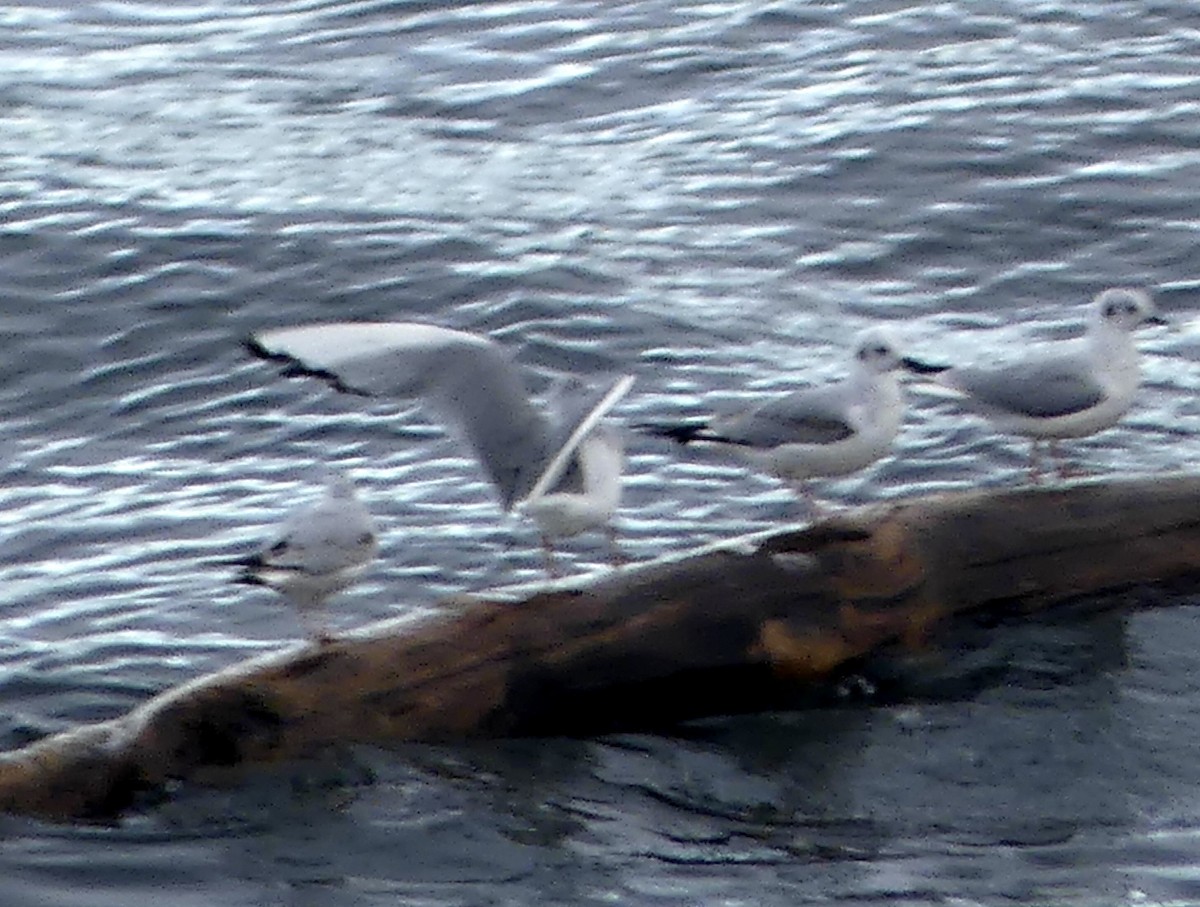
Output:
x=1066 y=389
x=318 y=551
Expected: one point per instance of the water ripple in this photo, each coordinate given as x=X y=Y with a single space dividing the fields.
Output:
x=714 y=197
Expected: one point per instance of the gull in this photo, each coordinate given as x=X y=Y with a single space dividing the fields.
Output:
x=561 y=467
x=831 y=430
x=318 y=551
x=1068 y=389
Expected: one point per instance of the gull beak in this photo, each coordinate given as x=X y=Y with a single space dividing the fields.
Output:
x=917 y=367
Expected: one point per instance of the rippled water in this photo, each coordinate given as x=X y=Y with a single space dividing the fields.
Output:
x=713 y=196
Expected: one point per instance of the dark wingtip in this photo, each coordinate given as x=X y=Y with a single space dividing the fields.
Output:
x=246 y=562
x=679 y=432
x=249 y=578
x=294 y=368
x=252 y=346
x=917 y=367
x=247 y=569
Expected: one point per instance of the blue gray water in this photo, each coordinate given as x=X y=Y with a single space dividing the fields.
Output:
x=713 y=196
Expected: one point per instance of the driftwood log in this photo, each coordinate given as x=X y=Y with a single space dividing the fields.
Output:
x=750 y=624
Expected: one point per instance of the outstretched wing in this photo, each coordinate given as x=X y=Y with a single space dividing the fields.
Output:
x=469 y=381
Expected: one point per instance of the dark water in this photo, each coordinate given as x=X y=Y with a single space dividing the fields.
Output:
x=713 y=196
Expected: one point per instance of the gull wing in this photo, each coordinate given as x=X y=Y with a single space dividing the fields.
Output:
x=577 y=419
x=469 y=381
x=1036 y=389
x=813 y=416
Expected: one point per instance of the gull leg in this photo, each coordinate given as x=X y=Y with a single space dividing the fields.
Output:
x=616 y=556
x=1066 y=469
x=803 y=490
x=1061 y=467
x=548 y=557
x=314 y=626
x=1035 y=462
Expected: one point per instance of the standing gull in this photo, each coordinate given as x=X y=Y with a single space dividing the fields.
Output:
x=318 y=551
x=562 y=468
x=830 y=430
x=1069 y=389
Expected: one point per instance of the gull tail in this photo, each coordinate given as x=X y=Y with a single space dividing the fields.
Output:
x=251 y=577
x=250 y=568
x=679 y=432
x=245 y=562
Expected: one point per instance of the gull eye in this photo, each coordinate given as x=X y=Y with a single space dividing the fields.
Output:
x=1111 y=310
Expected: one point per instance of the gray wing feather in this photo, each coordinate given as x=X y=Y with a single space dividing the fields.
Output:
x=805 y=417
x=1039 y=390
x=471 y=382
x=484 y=399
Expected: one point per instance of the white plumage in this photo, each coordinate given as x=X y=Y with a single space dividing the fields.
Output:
x=1069 y=389
x=318 y=551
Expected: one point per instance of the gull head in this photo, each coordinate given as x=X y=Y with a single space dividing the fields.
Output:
x=1124 y=308
x=876 y=351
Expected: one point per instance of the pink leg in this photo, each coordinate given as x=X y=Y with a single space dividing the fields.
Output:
x=1035 y=462
x=1056 y=460
x=1066 y=470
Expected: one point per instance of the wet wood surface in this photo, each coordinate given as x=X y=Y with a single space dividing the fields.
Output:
x=750 y=624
